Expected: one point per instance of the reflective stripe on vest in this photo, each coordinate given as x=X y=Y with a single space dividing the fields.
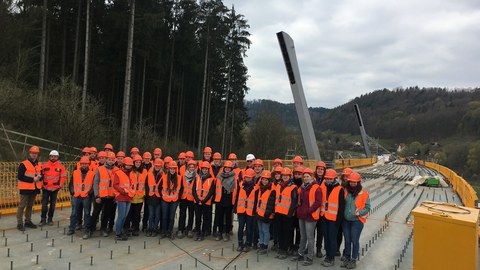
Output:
x=188 y=189
x=173 y=195
x=138 y=182
x=202 y=189
x=105 y=185
x=52 y=177
x=245 y=204
x=360 y=202
x=262 y=201
x=82 y=187
x=331 y=209
x=153 y=186
x=311 y=201
x=283 y=200
x=30 y=171
x=124 y=183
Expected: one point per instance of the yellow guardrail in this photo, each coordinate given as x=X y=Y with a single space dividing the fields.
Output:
x=464 y=190
x=352 y=163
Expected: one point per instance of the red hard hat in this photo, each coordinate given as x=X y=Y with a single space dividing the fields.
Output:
x=298 y=159
x=354 y=177
x=278 y=169
x=298 y=169
x=181 y=155
x=134 y=150
x=93 y=149
x=308 y=171
x=321 y=164
x=217 y=155
x=172 y=164
x=137 y=158
x=287 y=171
x=84 y=160
x=258 y=162
x=189 y=154
x=85 y=150
x=108 y=146
x=249 y=173
x=158 y=162
x=34 y=149
x=167 y=159
x=205 y=164
x=191 y=162
x=331 y=174
x=228 y=164
x=347 y=171
x=232 y=156
x=102 y=154
x=111 y=155
x=120 y=154
x=157 y=151
x=266 y=174
x=147 y=155
x=277 y=161
x=128 y=161
x=207 y=150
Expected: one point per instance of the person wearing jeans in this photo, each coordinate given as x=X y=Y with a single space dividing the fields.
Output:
x=123 y=195
x=357 y=206
x=244 y=208
x=264 y=208
x=171 y=187
x=153 y=198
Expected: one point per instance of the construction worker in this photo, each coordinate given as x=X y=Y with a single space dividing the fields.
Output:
x=258 y=169
x=264 y=208
x=285 y=205
x=188 y=156
x=93 y=153
x=216 y=168
x=308 y=213
x=85 y=153
x=297 y=161
x=153 y=197
x=277 y=179
x=120 y=157
x=244 y=209
x=102 y=156
x=207 y=154
x=54 y=177
x=228 y=181
x=298 y=180
x=216 y=164
x=123 y=196
x=204 y=193
x=147 y=160
x=104 y=196
x=108 y=147
x=277 y=163
x=250 y=158
x=357 y=207
x=29 y=184
x=138 y=176
x=277 y=175
x=233 y=158
x=134 y=151
x=343 y=182
x=166 y=162
x=320 y=170
x=81 y=188
x=333 y=206
x=157 y=153
x=181 y=162
x=147 y=165
x=171 y=186
x=187 y=203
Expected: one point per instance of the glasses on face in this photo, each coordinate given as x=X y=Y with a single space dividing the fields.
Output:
x=249 y=161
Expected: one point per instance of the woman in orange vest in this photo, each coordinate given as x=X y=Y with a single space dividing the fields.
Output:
x=333 y=207
x=171 y=185
x=285 y=205
x=277 y=179
x=308 y=213
x=357 y=207
x=244 y=208
x=227 y=181
x=187 y=203
x=320 y=170
x=138 y=177
x=264 y=208
x=123 y=195
x=153 y=196
x=203 y=191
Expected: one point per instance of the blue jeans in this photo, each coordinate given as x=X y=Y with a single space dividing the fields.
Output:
x=123 y=208
x=263 y=232
x=79 y=203
x=154 y=216
x=352 y=231
x=168 y=215
x=48 y=196
x=245 y=220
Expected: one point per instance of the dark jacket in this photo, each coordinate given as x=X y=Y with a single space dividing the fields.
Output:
x=304 y=210
x=210 y=192
x=153 y=200
x=293 y=195
x=341 y=203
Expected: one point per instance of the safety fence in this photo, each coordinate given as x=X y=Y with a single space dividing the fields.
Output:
x=9 y=195
x=464 y=190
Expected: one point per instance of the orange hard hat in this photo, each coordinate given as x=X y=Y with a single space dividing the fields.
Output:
x=207 y=150
x=181 y=155
x=84 y=160
x=137 y=158
x=134 y=150
x=172 y=164
x=189 y=154
x=157 y=151
x=86 y=150
x=93 y=149
x=205 y=164
x=121 y=154
x=147 y=155
x=111 y=155
x=308 y=171
x=298 y=159
x=287 y=171
x=258 y=162
x=354 y=177
x=217 y=155
x=347 y=171
x=228 y=164
x=277 y=161
x=158 y=162
x=232 y=156
x=128 y=161
x=167 y=159
x=331 y=174
x=298 y=169
x=278 y=169
x=34 y=149
x=108 y=146
x=321 y=164
x=191 y=162
x=266 y=174
x=249 y=173
x=102 y=154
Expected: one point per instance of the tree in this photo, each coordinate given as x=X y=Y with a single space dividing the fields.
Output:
x=267 y=138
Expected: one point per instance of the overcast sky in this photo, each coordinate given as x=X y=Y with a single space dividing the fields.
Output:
x=346 y=48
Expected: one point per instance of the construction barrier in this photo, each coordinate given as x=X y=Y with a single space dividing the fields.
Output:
x=466 y=193
x=352 y=163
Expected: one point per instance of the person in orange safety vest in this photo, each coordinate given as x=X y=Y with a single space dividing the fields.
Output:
x=227 y=184
x=153 y=197
x=54 y=177
x=124 y=193
x=187 y=204
x=171 y=187
x=264 y=209
x=203 y=191
x=244 y=209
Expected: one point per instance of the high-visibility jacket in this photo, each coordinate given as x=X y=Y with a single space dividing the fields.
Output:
x=219 y=191
x=262 y=200
x=330 y=205
x=245 y=203
x=202 y=189
x=173 y=195
x=125 y=183
x=105 y=185
x=81 y=187
x=284 y=201
x=360 y=201
x=138 y=182
x=54 y=175
x=187 y=193
x=30 y=171
x=311 y=201
x=153 y=185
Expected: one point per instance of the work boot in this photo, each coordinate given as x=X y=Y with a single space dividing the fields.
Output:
x=20 y=227
x=219 y=237
x=180 y=235
x=240 y=248
x=87 y=235
x=29 y=224
x=50 y=223
x=282 y=255
x=352 y=264
x=121 y=237
x=226 y=237
x=190 y=234
x=246 y=248
x=297 y=257
x=78 y=227
x=345 y=262
x=263 y=250
x=42 y=223
x=307 y=262
x=319 y=253
x=328 y=262
x=70 y=232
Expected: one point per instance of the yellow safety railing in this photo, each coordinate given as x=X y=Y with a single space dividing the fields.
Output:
x=464 y=190
x=352 y=163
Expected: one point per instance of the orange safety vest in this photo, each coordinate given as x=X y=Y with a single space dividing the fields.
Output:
x=30 y=171
x=173 y=195
x=203 y=189
x=219 y=191
x=138 y=184
x=331 y=204
x=153 y=186
x=125 y=183
x=311 y=200
x=81 y=187
x=188 y=188
x=262 y=201
x=105 y=185
x=53 y=175
x=283 y=200
x=360 y=201
x=244 y=204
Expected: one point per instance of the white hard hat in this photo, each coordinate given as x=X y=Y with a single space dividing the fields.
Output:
x=54 y=153
x=250 y=157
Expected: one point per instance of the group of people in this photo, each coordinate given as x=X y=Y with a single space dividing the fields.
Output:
x=286 y=206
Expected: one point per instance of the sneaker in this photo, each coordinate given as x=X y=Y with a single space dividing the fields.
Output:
x=42 y=223
x=121 y=237
x=297 y=257
x=246 y=248
x=87 y=235
x=70 y=232
x=240 y=248
x=282 y=256
x=20 y=227
x=344 y=258
x=307 y=262
x=345 y=262
x=262 y=251
x=78 y=227
x=328 y=263
x=319 y=253
x=180 y=235
x=50 y=223
x=219 y=237
x=226 y=237
x=172 y=236
x=352 y=264
x=190 y=234
x=104 y=233
x=29 y=224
